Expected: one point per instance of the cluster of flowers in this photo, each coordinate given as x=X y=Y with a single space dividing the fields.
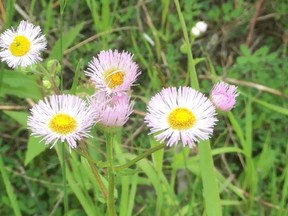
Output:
x=174 y=114
x=69 y=118
x=187 y=115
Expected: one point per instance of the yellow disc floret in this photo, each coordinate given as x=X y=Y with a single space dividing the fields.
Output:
x=62 y=124
x=20 y=46
x=181 y=119
x=114 y=78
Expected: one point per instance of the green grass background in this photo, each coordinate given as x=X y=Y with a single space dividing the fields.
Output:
x=249 y=145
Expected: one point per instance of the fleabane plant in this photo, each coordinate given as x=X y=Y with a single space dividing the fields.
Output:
x=223 y=96
x=65 y=118
x=114 y=110
x=22 y=46
x=182 y=114
x=175 y=115
x=113 y=72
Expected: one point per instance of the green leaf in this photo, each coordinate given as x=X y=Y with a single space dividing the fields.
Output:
x=271 y=106
x=245 y=50
x=157 y=157
x=198 y=60
x=20 y=85
x=239 y=132
x=254 y=59
x=242 y=60
x=9 y=189
x=265 y=160
x=79 y=67
x=20 y=117
x=34 y=148
x=209 y=181
x=68 y=38
x=62 y=5
x=267 y=105
x=128 y=172
x=10 y=11
x=248 y=127
x=263 y=51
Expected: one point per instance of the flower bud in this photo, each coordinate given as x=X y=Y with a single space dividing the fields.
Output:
x=53 y=66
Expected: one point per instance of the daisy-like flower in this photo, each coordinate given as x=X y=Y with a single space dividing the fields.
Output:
x=22 y=47
x=182 y=114
x=114 y=110
x=61 y=117
x=113 y=72
x=223 y=96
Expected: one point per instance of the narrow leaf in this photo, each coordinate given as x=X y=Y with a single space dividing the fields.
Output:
x=68 y=39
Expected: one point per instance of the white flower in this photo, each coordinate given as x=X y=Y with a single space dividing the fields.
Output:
x=202 y=26
x=195 y=31
x=22 y=47
x=61 y=117
x=182 y=114
x=199 y=28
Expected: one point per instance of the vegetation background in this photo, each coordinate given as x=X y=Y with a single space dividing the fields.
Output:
x=245 y=45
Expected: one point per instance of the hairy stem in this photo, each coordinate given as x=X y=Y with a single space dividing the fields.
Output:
x=109 y=150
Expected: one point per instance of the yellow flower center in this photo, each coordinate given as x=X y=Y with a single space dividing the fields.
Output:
x=181 y=119
x=20 y=46
x=113 y=78
x=62 y=124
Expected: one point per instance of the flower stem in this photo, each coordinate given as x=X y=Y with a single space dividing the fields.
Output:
x=64 y=179
x=191 y=66
x=1 y=78
x=143 y=155
x=62 y=7
x=211 y=191
x=51 y=78
x=94 y=169
x=109 y=150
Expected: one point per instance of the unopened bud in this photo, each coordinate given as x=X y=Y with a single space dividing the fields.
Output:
x=53 y=66
x=46 y=83
x=199 y=28
x=202 y=26
x=195 y=31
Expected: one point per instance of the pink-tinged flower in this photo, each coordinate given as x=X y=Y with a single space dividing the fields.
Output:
x=114 y=110
x=113 y=72
x=61 y=118
x=223 y=96
x=182 y=114
x=22 y=47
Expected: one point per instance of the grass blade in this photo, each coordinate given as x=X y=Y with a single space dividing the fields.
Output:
x=210 y=187
x=9 y=189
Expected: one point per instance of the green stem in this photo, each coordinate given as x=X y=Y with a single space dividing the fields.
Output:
x=62 y=6
x=191 y=66
x=138 y=158
x=209 y=181
x=51 y=78
x=9 y=189
x=94 y=169
x=64 y=179
x=109 y=150
x=1 y=78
